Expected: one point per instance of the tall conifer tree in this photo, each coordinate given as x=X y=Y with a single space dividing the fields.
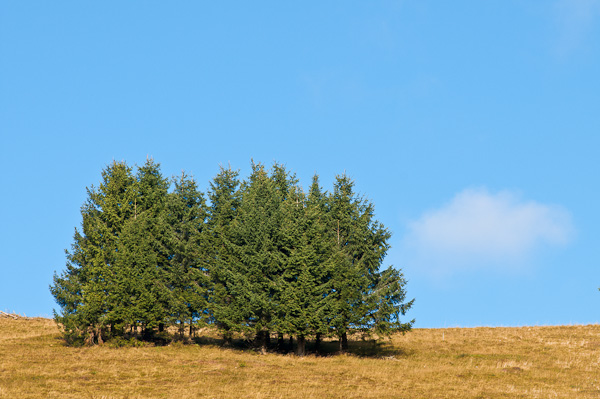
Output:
x=308 y=271
x=82 y=289
x=188 y=276
x=348 y=279
x=258 y=259
x=138 y=285
x=227 y=299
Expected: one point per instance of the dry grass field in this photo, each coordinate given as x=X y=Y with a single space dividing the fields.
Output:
x=526 y=362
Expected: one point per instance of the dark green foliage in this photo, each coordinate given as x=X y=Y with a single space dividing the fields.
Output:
x=263 y=257
x=258 y=249
x=138 y=295
x=135 y=260
x=227 y=297
x=385 y=302
x=188 y=277
x=349 y=229
x=82 y=290
x=306 y=279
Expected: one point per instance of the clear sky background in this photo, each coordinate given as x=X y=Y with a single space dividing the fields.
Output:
x=472 y=126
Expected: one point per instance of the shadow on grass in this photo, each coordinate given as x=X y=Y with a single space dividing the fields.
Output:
x=367 y=348
x=357 y=346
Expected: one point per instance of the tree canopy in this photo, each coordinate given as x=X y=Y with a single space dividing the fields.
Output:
x=257 y=257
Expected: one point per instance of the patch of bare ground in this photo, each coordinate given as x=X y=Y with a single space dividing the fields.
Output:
x=525 y=362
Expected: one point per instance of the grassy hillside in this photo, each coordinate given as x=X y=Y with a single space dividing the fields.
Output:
x=536 y=362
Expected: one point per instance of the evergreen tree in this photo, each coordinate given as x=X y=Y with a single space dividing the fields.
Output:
x=383 y=296
x=139 y=295
x=323 y=267
x=137 y=288
x=362 y=297
x=227 y=299
x=258 y=260
x=386 y=304
x=348 y=279
x=285 y=200
x=308 y=269
x=188 y=277
x=82 y=289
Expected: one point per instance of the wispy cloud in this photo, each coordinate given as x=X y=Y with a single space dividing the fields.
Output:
x=479 y=229
x=576 y=19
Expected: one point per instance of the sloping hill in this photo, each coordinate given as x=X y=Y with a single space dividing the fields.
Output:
x=526 y=362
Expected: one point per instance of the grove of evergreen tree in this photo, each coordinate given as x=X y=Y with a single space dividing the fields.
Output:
x=256 y=258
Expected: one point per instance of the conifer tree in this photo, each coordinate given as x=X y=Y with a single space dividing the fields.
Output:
x=138 y=284
x=227 y=302
x=258 y=260
x=284 y=198
x=386 y=304
x=362 y=297
x=307 y=273
x=318 y=234
x=139 y=292
x=188 y=276
x=348 y=279
x=81 y=290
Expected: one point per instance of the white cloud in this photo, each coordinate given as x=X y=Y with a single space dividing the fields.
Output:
x=478 y=229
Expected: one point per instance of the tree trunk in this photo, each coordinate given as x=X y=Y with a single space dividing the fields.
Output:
x=262 y=339
x=146 y=333
x=90 y=340
x=343 y=342
x=318 y=343
x=280 y=342
x=227 y=338
x=301 y=348
x=161 y=327
x=264 y=342
x=181 y=329
x=291 y=343
x=99 y=335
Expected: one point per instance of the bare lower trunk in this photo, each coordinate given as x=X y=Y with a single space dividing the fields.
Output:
x=301 y=348
x=99 y=335
x=90 y=340
x=344 y=342
x=181 y=329
x=146 y=333
x=318 y=339
x=280 y=343
x=291 y=344
x=262 y=339
x=227 y=338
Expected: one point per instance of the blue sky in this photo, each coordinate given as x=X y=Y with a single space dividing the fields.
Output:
x=472 y=126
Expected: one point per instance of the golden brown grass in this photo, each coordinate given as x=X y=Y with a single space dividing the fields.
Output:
x=526 y=362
